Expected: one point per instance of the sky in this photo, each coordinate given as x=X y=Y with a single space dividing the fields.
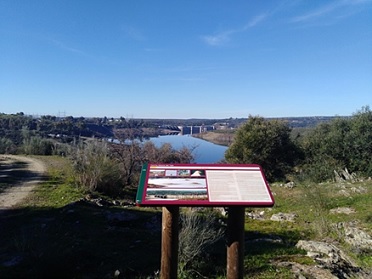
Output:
x=185 y=58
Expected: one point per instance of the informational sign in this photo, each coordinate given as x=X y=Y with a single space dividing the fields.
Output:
x=203 y=185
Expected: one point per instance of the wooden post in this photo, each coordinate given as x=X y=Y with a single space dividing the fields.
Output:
x=235 y=242
x=169 y=242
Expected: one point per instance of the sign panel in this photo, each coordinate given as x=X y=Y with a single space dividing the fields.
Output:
x=203 y=185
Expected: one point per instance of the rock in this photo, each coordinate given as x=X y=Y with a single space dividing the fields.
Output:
x=289 y=185
x=344 y=175
x=221 y=210
x=127 y=203
x=303 y=271
x=289 y=217
x=342 y=210
x=255 y=215
x=116 y=273
x=359 y=190
x=344 y=193
x=273 y=239
x=332 y=258
x=347 y=191
x=355 y=236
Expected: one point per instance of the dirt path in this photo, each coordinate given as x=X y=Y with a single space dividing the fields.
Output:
x=24 y=173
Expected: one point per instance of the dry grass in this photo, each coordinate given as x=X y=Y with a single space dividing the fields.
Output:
x=217 y=137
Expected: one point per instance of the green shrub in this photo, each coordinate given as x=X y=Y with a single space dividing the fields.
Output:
x=7 y=146
x=339 y=144
x=36 y=145
x=267 y=143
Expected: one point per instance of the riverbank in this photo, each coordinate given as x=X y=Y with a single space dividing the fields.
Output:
x=224 y=138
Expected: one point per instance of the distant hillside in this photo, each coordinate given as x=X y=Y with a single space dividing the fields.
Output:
x=15 y=126
x=308 y=121
x=305 y=122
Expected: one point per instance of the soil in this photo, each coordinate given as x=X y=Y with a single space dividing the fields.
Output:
x=21 y=174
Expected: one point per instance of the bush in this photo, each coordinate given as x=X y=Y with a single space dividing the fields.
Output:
x=267 y=143
x=7 y=146
x=342 y=143
x=36 y=145
x=199 y=230
x=131 y=155
x=94 y=168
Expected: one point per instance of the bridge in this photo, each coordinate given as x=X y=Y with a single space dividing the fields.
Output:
x=188 y=130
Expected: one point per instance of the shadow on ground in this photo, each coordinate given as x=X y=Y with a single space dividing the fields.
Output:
x=15 y=173
x=83 y=240
x=78 y=241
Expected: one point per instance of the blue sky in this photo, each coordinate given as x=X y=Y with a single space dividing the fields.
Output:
x=185 y=59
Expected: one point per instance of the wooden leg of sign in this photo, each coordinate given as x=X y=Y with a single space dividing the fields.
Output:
x=169 y=242
x=235 y=242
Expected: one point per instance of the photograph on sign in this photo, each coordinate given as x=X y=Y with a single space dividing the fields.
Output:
x=180 y=184
x=203 y=185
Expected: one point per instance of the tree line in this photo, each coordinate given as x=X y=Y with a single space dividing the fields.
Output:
x=314 y=154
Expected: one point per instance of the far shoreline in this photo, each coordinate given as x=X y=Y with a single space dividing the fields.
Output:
x=224 y=138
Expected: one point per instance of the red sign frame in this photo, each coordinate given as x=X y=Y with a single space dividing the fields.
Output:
x=203 y=185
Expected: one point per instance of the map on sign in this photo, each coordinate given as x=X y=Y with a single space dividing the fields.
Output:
x=203 y=185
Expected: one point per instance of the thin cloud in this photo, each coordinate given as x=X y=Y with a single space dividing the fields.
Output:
x=133 y=33
x=218 y=39
x=225 y=36
x=148 y=49
x=256 y=20
x=330 y=8
x=63 y=46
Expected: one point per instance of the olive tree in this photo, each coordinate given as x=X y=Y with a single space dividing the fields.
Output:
x=267 y=143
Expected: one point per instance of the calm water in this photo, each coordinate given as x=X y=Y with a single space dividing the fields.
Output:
x=205 y=152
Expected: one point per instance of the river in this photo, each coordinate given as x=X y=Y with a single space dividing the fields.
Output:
x=204 y=152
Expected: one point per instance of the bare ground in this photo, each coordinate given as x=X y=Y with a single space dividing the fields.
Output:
x=21 y=174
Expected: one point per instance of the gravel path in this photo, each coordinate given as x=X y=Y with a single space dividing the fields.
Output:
x=32 y=173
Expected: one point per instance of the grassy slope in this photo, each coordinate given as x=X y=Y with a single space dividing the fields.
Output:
x=221 y=137
x=49 y=236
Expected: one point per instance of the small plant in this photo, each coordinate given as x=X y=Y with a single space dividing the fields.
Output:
x=316 y=197
x=199 y=230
